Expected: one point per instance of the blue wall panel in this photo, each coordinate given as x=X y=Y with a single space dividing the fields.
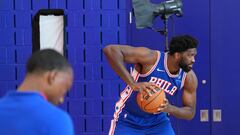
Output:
x=106 y=123
x=93 y=71
x=39 y=4
x=75 y=37
x=6 y=4
x=93 y=54
x=92 y=19
x=110 y=36
x=75 y=4
x=93 y=107
x=109 y=4
x=6 y=19
x=93 y=36
x=76 y=106
x=79 y=122
x=77 y=90
x=3 y=55
x=94 y=124
x=108 y=73
x=123 y=19
x=21 y=72
x=75 y=54
x=225 y=66
x=78 y=70
x=10 y=55
x=108 y=106
x=110 y=89
x=57 y=4
x=74 y=19
x=6 y=37
x=23 y=4
x=23 y=37
x=5 y=87
x=92 y=4
x=7 y=73
x=23 y=53
x=109 y=19
x=93 y=89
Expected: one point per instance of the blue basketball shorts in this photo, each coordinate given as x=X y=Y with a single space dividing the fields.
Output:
x=163 y=128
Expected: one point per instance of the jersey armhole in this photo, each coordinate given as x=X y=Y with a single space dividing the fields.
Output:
x=153 y=67
x=183 y=79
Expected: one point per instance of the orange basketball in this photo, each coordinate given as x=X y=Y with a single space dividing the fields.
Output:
x=151 y=104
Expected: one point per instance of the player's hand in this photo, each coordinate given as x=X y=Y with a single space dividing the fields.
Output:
x=149 y=88
x=164 y=107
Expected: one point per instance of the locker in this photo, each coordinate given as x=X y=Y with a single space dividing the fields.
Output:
x=6 y=19
x=110 y=89
x=3 y=56
x=54 y=4
x=23 y=5
x=79 y=124
x=75 y=19
x=75 y=5
x=92 y=4
x=109 y=19
x=93 y=71
x=93 y=54
x=123 y=18
x=92 y=36
x=39 y=4
x=108 y=73
x=77 y=90
x=93 y=89
x=75 y=54
x=107 y=123
x=23 y=37
x=78 y=70
x=23 y=19
x=75 y=37
x=92 y=19
x=6 y=37
x=109 y=36
x=21 y=72
x=23 y=53
x=76 y=106
x=108 y=106
x=6 y=4
x=109 y=4
x=93 y=107
x=93 y=124
x=10 y=55
x=7 y=73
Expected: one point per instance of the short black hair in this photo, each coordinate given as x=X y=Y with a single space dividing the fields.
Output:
x=46 y=60
x=182 y=43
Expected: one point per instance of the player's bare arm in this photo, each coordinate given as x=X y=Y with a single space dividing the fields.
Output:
x=143 y=57
x=187 y=111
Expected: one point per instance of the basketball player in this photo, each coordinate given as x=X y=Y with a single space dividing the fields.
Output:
x=30 y=110
x=171 y=71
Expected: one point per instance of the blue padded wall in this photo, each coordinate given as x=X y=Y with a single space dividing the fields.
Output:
x=90 y=26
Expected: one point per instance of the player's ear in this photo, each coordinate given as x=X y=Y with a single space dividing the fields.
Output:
x=51 y=76
x=177 y=55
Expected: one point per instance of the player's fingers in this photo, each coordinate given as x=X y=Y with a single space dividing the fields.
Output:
x=157 y=112
x=163 y=106
x=160 y=109
x=153 y=89
x=148 y=92
x=165 y=101
x=140 y=90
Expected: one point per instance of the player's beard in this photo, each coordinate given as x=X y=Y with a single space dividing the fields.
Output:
x=184 y=66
